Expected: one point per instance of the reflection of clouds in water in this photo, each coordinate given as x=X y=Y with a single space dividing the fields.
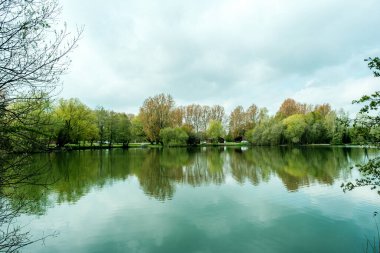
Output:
x=124 y=215
x=121 y=209
x=212 y=226
x=350 y=205
x=260 y=205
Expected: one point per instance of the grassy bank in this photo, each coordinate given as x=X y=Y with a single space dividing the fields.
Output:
x=88 y=146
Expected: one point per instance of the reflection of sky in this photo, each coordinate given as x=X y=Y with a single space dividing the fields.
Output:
x=216 y=218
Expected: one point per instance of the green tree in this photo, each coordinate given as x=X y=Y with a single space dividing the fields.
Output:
x=111 y=127
x=341 y=133
x=123 y=129
x=295 y=127
x=101 y=120
x=240 y=120
x=237 y=123
x=268 y=132
x=276 y=133
x=215 y=131
x=330 y=122
x=252 y=117
x=33 y=56
x=193 y=137
x=76 y=122
x=173 y=136
x=137 y=129
x=155 y=115
x=217 y=113
x=316 y=131
x=36 y=130
x=370 y=119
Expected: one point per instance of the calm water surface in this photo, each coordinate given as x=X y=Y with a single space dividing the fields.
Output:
x=203 y=200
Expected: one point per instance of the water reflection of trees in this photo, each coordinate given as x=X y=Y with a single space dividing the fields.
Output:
x=206 y=167
x=296 y=167
x=160 y=171
x=163 y=169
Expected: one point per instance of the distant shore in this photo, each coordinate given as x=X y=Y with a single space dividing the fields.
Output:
x=73 y=147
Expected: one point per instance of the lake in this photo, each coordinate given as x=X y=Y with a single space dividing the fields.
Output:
x=258 y=199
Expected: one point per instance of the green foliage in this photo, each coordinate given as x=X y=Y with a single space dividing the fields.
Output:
x=237 y=122
x=35 y=131
x=370 y=176
x=341 y=126
x=123 y=129
x=76 y=122
x=374 y=65
x=194 y=138
x=215 y=131
x=155 y=114
x=113 y=127
x=101 y=120
x=368 y=121
x=241 y=121
x=173 y=136
x=33 y=56
x=316 y=130
x=295 y=127
x=329 y=123
x=269 y=132
x=367 y=126
x=72 y=122
x=137 y=130
x=276 y=133
x=297 y=123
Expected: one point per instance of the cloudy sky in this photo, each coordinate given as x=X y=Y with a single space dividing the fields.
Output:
x=227 y=52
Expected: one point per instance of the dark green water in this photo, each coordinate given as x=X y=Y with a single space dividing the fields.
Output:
x=203 y=200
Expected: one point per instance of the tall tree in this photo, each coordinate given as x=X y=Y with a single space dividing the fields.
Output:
x=295 y=127
x=155 y=115
x=217 y=113
x=290 y=107
x=193 y=116
x=205 y=117
x=215 y=131
x=370 y=119
x=101 y=121
x=36 y=129
x=123 y=129
x=177 y=117
x=237 y=122
x=252 y=116
x=341 y=131
x=33 y=56
x=77 y=122
x=137 y=129
x=241 y=121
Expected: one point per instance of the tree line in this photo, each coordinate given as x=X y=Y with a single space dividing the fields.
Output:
x=160 y=121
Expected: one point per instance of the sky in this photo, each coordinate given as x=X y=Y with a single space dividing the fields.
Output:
x=226 y=52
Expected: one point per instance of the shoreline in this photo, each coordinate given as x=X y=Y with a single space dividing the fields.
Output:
x=73 y=147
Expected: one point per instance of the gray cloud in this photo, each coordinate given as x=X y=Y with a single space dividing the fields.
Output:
x=228 y=52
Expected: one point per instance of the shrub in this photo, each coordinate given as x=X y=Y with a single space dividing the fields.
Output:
x=173 y=136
